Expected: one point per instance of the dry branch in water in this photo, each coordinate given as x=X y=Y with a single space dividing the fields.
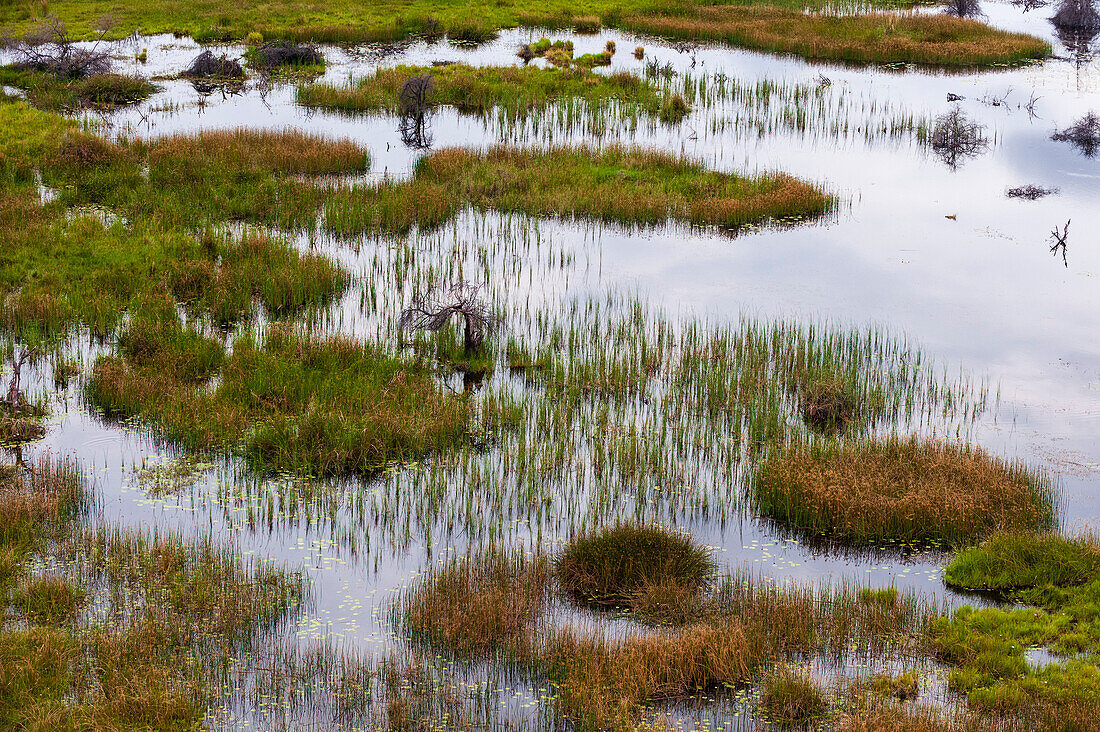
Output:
x=434 y=310
x=1029 y=192
x=49 y=49
x=1059 y=239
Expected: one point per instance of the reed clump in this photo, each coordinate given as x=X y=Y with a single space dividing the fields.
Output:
x=791 y=698
x=901 y=490
x=632 y=563
x=482 y=605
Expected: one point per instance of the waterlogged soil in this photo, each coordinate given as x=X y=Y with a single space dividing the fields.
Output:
x=927 y=249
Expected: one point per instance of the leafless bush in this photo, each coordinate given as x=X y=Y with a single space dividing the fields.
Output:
x=434 y=310
x=1030 y=192
x=964 y=8
x=208 y=66
x=49 y=49
x=415 y=96
x=1084 y=135
x=955 y=137
x=525 y=53
x=1077 y=15
x=285 y=53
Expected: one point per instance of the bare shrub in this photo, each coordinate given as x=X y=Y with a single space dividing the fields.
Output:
x=415 y=95
x=434 y=310
x=1084 y=134
x=955 y=137
x=1078 y=15
x=49 y=49
x=208 y=66
x=964 y=8
x=285 y=53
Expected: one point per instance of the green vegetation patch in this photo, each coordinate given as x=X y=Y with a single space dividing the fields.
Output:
x=288 y=403
x=128 y=218
x=792 y=699
x=101 y=91
x=628 y=186
x=1058 y=579
x=901 y=491
x=477 y=90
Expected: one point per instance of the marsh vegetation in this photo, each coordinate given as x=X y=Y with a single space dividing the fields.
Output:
x=418 y=374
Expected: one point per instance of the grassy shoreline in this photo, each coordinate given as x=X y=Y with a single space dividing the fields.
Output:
x=778 y=26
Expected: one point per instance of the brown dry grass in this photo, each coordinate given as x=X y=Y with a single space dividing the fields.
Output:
x=901 y=491
x=940 y=39
x=474 y=607
x=289 y=152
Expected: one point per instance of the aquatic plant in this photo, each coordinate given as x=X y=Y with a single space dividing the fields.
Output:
x=791 y=698
x=901 y=490
x=616 y=566
x=956 y=138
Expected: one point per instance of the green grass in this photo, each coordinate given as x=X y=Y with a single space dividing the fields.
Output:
x=1057 y=580
x=792 y=699
x=517 y=91
x=633 y=187
x=100 y=92
x=113 y=235
x=779 y=26
x=287 y=403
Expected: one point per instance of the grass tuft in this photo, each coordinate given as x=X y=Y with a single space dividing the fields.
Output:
x=901 y=490
x=632 y=563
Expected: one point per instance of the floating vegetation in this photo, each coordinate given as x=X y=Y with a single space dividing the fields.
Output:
x=479 y=90
x=606 y=683
x=208 y=66
x=1030 y=192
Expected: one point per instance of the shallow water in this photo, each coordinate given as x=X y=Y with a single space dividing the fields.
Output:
x=935 y=252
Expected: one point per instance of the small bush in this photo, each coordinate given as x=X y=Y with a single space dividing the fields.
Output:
x=284 y=53
x=208 y=66
x=639 y=53
x=792 y=699
x=617 y=566
x=1077 y=15
x=1084 y=134
x=112 y=90
x=254 y=39
x=49 y=601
